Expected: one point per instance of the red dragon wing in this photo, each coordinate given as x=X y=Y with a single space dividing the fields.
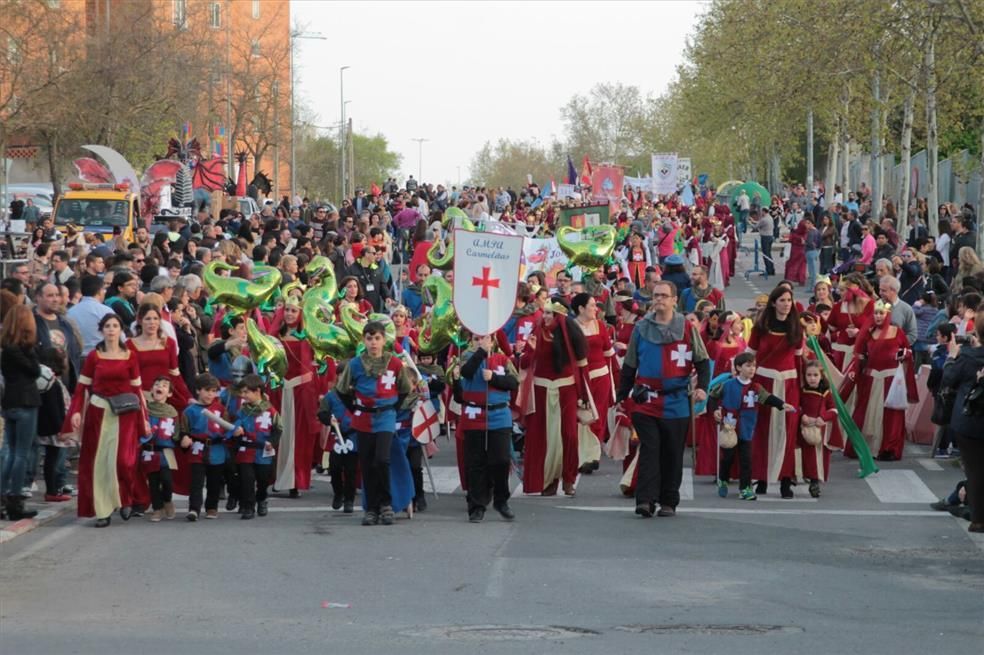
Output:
x=160 y=173
x=210 y=174
x=90 y=170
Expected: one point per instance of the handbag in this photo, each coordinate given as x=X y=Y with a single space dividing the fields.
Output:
x=897 y=397
x=123 y=403
x=727 y=436
x=812 y=434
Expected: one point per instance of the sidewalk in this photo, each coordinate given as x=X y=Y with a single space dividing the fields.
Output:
x=47 y=512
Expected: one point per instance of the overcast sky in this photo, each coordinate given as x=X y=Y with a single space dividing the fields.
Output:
x=463 y=73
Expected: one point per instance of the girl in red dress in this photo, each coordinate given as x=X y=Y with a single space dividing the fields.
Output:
x=601 y=383
x=556 y=357
x=879 y=355
x=722 y=350
x=157 y=355
x=294 y=401
x=108 y=466
x=817 y=411
x=777 y=342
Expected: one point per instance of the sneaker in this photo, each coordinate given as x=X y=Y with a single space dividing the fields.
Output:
x=941 y=453
x=349 y=507
x=261 y=508
x=137 y=511
x=336 y=502
x=666 y=511
x=156 y=516
x=386 y=515
x=722 y=489
x=645 y=510
x=370 y=518
x=25 y=492
x=192 y=516
x=814 y=489
x=747 y=494
x=211 y=513
x=56 y=498
x=476 y=515
x=954 y=452
x=69 y=490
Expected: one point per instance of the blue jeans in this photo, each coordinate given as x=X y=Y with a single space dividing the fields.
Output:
x=21 y=425
x=812 y=264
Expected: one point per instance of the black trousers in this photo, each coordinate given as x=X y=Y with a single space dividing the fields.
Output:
x=253 y=482
x=160 y=487
x=374 y=458
x=972 y=455
x=415 y=453
x=744 y=449
x=230 y=473
x=660 y=469
x=210 y=476
x=487 y=460
x=770 y=266
x=342 y=468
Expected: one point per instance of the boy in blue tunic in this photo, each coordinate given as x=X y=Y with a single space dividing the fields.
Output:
x=343 y=459
x=373 y=386
x=206 y=448
x=255 y=438
x=738 y=401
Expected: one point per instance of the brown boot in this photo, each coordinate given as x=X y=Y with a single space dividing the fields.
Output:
x=169 y=511
x=550 y=489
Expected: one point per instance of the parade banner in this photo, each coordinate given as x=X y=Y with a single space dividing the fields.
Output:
x=606 y=184
x=578 y=217
x=566 y=191
x=639 y=183
x=486 y=272
x=664 y=172
x=684 y=171
x=543 y=255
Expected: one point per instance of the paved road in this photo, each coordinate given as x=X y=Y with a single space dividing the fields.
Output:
x=866 y=568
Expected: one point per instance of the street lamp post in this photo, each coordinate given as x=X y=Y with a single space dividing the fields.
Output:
x=420 y=159
x=314 y=36
x=341 y=92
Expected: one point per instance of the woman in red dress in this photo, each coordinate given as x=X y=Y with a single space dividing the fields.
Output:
x=157 y=355
x=796 y=264
x=601 y=383
x=351 y=294
x=108 y=467
x=556 y=357
x=296 y=401
x=849 y=318
x=879 y=355
x=777 y=342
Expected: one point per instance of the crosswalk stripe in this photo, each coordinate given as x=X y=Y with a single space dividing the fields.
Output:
x=687 y=487
x=930 y=464
x=900 y=486
x=445 y=479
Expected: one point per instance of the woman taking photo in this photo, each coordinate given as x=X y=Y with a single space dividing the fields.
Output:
x=962 y=371
x=108 y=414
x=21 y=398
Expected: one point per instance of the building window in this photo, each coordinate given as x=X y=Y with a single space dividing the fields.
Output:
x=254 y=48
x=215 y=15
x=256 y=9
x=180 y=10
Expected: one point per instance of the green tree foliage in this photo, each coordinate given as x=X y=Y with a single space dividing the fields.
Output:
x=319 y=163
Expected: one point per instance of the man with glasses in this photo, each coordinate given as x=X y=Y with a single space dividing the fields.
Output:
x=664 y=350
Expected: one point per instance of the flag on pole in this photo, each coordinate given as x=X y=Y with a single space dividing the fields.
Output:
x=186 y=131
x=375 y=190
x=571 y=171
x=425 y=424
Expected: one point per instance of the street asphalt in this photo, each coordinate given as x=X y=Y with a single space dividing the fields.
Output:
x=867 y=568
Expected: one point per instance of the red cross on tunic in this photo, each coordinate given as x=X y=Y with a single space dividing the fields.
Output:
x=485 y=281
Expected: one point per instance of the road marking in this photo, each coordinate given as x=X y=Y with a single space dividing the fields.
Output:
x=446 y=479
x=930 y=464
x=794 y=499
x=45 y=542
x=913 y=449
x=687 y=487
x=900 y=486
x=789 y=512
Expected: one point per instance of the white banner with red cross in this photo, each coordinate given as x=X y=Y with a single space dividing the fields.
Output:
x=486 y=272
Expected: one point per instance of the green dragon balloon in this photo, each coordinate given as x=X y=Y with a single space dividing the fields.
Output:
x=439 y=327
x=237 y=293
x=595 y=247
x=267 y=353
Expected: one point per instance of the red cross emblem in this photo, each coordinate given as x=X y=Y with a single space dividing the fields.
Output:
x=485 y=281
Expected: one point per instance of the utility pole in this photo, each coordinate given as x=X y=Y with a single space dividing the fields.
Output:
x=343 y=128
x=351 y=146
x=420 y=159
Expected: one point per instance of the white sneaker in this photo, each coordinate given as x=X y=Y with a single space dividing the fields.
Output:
x=25 y=492
x=70 y=490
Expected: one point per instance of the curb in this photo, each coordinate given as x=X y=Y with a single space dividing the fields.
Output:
x=13 y=530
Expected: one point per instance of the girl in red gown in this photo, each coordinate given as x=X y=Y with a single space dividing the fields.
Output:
x=878 y=356
x=108 y=464
x=556 y=357
x=157 y=355
x=849 y=318
x=777 y=341
x=296 y=401
x=817 y=410
x=601 y=383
